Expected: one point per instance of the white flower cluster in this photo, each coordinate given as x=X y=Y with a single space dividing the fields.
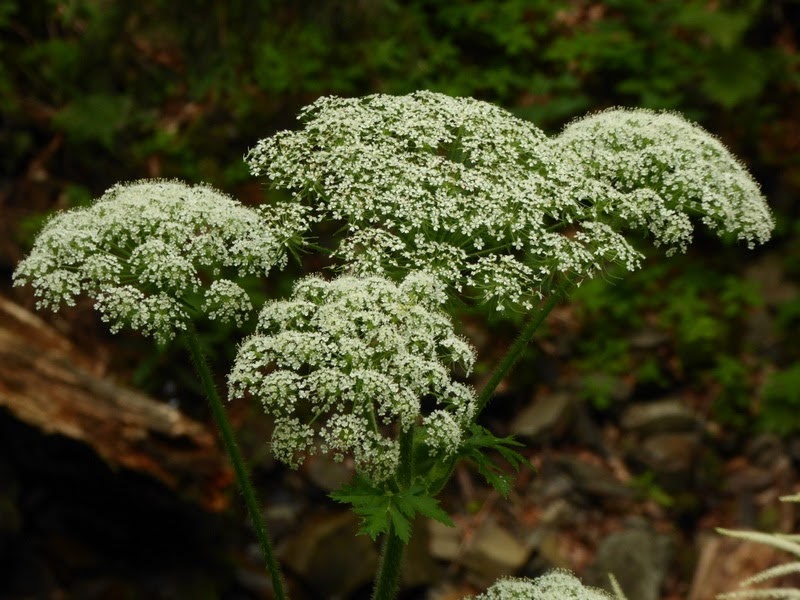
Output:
x=656 y=170
x=558 y=584
x=464 y=189
x=347 y=362
x=144 y=248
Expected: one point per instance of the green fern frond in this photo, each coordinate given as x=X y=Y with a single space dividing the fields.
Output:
x=773 y=594
x=616 y=588
x=769 y=539
x=771 y=573
x=782 y=541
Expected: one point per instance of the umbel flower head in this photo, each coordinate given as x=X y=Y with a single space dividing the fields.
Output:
x=145 y=250
x=558 y=584
x=343 y=366
x=464 y=189
x=656 y=170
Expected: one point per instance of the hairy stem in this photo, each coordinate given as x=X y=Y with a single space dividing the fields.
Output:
x=388 y=578
x=242 y=476
x=515 y=351
x=509 y=360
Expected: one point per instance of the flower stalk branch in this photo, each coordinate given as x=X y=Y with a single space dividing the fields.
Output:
x=515 y=351
x=239 y=467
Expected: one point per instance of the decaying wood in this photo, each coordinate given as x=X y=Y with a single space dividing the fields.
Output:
x=46 y=382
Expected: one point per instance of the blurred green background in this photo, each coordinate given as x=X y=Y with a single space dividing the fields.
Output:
x=93 y=92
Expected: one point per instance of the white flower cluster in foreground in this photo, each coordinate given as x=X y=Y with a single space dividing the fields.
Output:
x=464 y=189
x=554 y=585
x=144 y=249
x=343 y=365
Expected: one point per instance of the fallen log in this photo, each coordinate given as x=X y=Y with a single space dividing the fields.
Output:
x=48 y=383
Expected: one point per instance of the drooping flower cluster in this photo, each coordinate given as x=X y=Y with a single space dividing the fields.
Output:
x=656 y=170
x=344 y=365
x=464 y=189
x=558 y=584
x=144 y=249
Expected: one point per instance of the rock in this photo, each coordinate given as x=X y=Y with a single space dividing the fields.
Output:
x=444 y=542
x=419 y=566
x=637 y=556
x=748 y=479
x=648 y=338
x=326 y=473
x=665 y=415
x=765 y=450
x=547 y=552
x=593 y=480
x=547 y=417
x=493 y=552
x=329 y=555
x=671 y=453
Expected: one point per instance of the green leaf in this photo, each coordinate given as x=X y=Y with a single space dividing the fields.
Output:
x=428 y=506
x=475 y=450
x=378 y=507
x=402 y=524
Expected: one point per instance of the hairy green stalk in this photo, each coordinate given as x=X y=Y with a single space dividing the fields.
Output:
x=515 y=351
x=387 y=579
x=242 y=476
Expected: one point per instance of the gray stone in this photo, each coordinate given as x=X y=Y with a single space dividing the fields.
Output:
x=494 y=551
x=637 y=556
x=444 y=542
x=648 y=338
x=326 y=473
x=329 y=555
x=593 y=480
x=547 y=417
x=668 y=452
x=765 y=450
x=669 y=414
x=419 y=566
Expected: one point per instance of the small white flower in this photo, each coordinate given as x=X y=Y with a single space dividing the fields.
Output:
x=656 y=169
x=141 y=249
x=558 y=584
x=227 y=301
x=465 y=190
x=354 y=357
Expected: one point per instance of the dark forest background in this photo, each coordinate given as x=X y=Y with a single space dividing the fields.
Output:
x=93 y=92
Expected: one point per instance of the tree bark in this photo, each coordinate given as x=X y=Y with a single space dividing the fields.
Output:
x=46 y=382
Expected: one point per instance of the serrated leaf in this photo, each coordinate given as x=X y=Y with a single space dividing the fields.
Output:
x=378 y=508
x=475 y=450
x=428 y=506
x=402 y=525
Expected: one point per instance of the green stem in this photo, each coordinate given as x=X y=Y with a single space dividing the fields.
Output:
x=502 y=369
x=514 y=352
x=388 y=578
x=242 y=477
